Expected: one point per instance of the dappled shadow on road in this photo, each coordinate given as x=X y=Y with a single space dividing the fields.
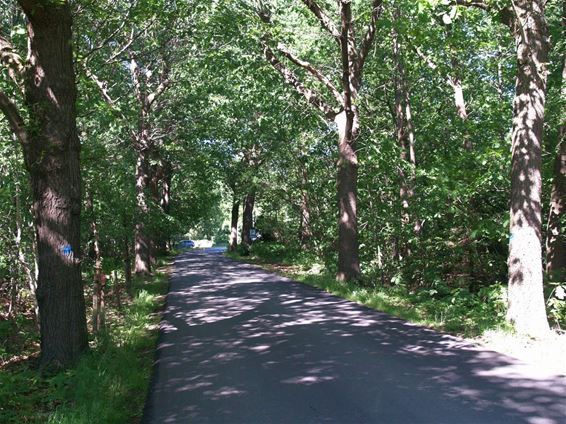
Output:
x=241 y=345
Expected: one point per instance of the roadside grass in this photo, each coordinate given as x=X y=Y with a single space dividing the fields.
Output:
x=110 y=382
x=477 y=316
x=455 y=311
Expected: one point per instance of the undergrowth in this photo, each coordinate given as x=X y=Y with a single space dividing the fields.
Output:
x=455 y=310
x=108 y=385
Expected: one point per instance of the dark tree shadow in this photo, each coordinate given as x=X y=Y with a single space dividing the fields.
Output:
x=240 y=345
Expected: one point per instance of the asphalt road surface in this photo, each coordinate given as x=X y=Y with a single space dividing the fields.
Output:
x=241 y=345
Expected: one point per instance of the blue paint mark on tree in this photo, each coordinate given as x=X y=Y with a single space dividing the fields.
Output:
x=67 y=250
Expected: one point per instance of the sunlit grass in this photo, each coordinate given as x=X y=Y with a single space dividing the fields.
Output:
x=110 y=382
x=457 y=311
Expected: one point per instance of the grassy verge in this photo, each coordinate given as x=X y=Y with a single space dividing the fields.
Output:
x=479 y=316
x=110 y=382
x=454 y=310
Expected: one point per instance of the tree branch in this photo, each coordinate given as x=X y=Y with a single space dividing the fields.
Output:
x=367 y=42
x=135 y=75
x=163 y=84
x=425 y=58
x=346 y=53
x=312 y=97
x=505 y=15
x=323 y=18
x=105 y=95
x=12 y=61
x=472 y=3
x=15 y=120
x=313 y=71
x=112 y=34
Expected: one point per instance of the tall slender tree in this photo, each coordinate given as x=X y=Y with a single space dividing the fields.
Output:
x=343 y=111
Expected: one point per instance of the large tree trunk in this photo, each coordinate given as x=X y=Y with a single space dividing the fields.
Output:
x=52 y=158
x=247 y=218
x=347 y=187
x=525 y=294
x=234 y=225
x=142 y=243
x=352 y=60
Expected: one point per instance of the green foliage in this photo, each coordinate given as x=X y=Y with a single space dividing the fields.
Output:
x=227 y=125
x=455 y=310
x=556 y=303
x=109 y=384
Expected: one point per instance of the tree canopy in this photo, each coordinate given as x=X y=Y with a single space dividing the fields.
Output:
x=414 y=144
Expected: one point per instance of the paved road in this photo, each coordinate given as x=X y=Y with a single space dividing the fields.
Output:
x=240 y=345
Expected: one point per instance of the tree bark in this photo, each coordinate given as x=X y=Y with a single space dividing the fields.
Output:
x=142 y=264
x=127 y=267
x=52 y=158
x=305 y=232
x=26 y=267
x=247 y=218
x=234 y=225
x=456 y=84
x=97 y=293
x=400 y=125
x=352 y=60
x=526 y=309
x=347 y=187
x=167 y=176
x=405 y=134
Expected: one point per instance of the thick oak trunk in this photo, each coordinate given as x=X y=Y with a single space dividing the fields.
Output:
x=234 y=225
x=142 y=264
x=247 y=218
x=347 y=188
x=526 y=309
x=52 y=158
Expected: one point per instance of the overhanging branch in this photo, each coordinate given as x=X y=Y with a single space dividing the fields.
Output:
x=312 y=70
x=323 y=18
x=12 y=61
x=369 y=37
x=290 y=78
x=15 y=120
